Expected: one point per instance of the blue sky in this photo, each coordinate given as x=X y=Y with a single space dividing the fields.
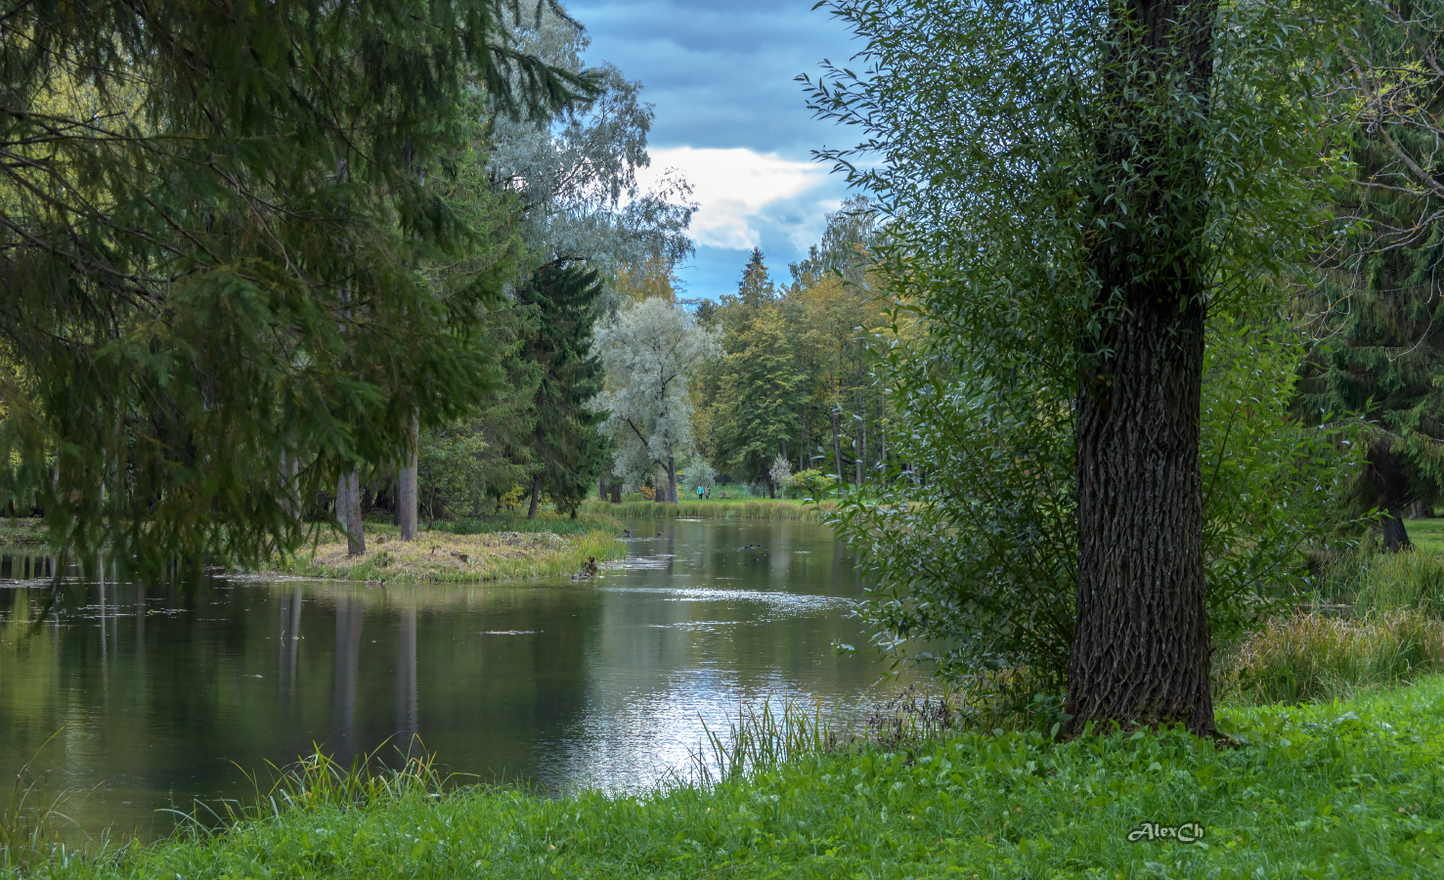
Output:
x=731 y=119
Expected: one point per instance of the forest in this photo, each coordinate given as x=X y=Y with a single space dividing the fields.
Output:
x=1119 y=374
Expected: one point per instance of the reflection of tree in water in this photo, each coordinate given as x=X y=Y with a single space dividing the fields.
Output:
x=348 y=660
x=290 y=645
x=406 y=720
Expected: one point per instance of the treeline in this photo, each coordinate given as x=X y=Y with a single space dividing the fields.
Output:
x=797 y=387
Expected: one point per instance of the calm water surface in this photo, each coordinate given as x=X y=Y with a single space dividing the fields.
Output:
x=152 y=697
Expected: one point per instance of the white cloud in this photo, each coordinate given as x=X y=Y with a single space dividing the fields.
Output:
x=733 y=188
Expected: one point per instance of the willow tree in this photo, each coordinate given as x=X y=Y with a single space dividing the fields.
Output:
x=1075 y=194
x=211 y=257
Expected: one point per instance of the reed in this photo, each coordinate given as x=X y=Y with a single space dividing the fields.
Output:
x=31 y=823
x=1311 y=657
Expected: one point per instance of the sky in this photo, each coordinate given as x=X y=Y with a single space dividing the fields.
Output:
x=732 y=119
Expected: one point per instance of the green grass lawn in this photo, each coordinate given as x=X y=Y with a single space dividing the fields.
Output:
x=1427 y=534
x=1351 y=790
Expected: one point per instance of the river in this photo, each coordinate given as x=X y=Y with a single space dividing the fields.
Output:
x=136 y=699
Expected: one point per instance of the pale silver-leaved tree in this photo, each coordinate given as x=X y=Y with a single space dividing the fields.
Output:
x=576 y=175
x=650 y=352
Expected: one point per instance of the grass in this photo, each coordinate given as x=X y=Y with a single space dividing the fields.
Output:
x=492 y=548
x=1340 y=790
x=24 y=532
x=1316 y=657
x=1427 y=534
x=1378 y=622
x=751 y=508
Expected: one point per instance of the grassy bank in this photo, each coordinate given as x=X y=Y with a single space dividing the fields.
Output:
x=751 y=508
x=25 y=533
x=1350 y=790
x=493 y=548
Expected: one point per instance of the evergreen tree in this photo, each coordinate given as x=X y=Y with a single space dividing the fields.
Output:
x=756 y=287
x=565 y=446
x=753 y=395
x=1379 y=317
x=212 y=299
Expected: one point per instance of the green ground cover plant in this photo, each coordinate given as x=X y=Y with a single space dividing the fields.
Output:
x=1339 y=790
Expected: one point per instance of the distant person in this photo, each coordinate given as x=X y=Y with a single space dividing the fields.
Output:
x=700 y=493
x=709 y=493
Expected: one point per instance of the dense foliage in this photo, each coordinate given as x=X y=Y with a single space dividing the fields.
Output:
x=1377 y=318
x=796 y=377
x=214 y=223
x=991 y=177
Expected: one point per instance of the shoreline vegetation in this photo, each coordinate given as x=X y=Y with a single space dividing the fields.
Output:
x=500 y=547
x=740 y=508
x=23 y=533
x=791 y=801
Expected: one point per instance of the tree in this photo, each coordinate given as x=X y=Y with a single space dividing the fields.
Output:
x=753 y=394
x=650 y=353
x=1072 y=195
x=1377 y=318
x=576 y=173
x=564 y=442
x=213 y=302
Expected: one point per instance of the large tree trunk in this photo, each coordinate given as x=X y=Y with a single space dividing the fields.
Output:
x=535 y=495
x=406 y=488
x=1385 y=478
x=1141 y=649
x=348 y=511
x=671 y=479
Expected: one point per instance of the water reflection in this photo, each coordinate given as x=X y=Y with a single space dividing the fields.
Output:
x=163 y=692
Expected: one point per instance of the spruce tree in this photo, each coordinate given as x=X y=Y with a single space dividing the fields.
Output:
x=210 y=245
x=566 y=448
x=1378 y=317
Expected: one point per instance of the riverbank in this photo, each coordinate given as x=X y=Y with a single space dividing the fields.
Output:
x=1342 y=790
x=506 y=546
x=24 y=533
x=750 y=508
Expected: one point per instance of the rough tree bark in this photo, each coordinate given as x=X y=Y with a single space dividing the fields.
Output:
x=535 y=496
x=348 y=511
x=1141 y=648
x=406 y=487
x=837 y=447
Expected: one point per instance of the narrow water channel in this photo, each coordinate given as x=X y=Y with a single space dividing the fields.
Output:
x=136 y=699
